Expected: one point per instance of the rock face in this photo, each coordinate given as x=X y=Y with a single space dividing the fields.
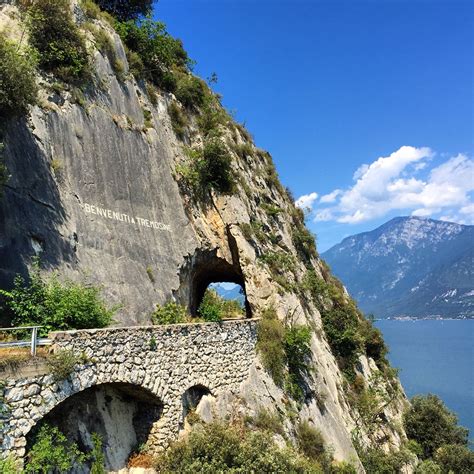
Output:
x=93 y=192
x=410 y=266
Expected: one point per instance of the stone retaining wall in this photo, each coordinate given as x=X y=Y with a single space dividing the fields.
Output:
x=164 y=360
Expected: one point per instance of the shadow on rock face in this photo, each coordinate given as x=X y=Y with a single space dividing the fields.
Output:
x=31 y=212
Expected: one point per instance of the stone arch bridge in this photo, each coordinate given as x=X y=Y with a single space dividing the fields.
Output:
x=142 y=376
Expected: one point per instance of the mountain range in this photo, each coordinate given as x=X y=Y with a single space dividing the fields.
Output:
x=409 y=266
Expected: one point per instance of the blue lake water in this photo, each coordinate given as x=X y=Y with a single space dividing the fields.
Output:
x=435 y=357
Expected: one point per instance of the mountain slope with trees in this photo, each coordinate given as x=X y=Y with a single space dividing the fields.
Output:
x=409 y=266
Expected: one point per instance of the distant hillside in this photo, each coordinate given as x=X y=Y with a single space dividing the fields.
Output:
x=409 y=266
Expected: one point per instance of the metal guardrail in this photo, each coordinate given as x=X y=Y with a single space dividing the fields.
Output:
x=33 y=343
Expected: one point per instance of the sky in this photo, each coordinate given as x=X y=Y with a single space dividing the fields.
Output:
x=365 y=106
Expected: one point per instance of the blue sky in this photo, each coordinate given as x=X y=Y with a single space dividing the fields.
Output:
x=368 y=103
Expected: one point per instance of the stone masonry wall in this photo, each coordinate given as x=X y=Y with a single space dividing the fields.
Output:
x=164 y=360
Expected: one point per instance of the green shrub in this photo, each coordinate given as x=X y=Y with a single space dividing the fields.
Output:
x=212 y=115
x=298 y=352
x=17 y=78
x=147 y=118
x=271 y=176
x=244 y=149
x=272 y=211
x=341 y=328
x=310 y=441
x=170 y=313
x=304 y=242
x=215 y=169
x=135 y=63
x=52 y=452
x=285 y=353
x=190 y=91
x=377 y=461
x=97 y=455
x=155 y=53
x=56 y=306
x=210 y=309
x=179 y=120
x=428 y=467
x=126 y=9
x=268 y=420
x=316 y=286
x=61 y=364
x=455 y=458
x=209 y=168
x=218 y=447
x=373 y=341
x=61 y=46
x=431 y=424
x=254 y=229
x=9 y=466
x=279 y=262
x=271 y=345
x=90 y=9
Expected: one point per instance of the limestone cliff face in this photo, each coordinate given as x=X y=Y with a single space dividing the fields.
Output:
x=93 y=192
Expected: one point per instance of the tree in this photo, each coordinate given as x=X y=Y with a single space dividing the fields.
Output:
x=17 y=79
x=455 y=458
x=125 y=10
x=429 y=422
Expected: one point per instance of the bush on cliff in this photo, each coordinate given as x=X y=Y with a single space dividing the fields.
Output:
x=220 y=447
x=17 y=78
x=432 y=425
x=126 y=9
x=55 y=305
x=209 y=168
x=285 y=352
x=60 y=43
x=159 y=53
x=170 y=313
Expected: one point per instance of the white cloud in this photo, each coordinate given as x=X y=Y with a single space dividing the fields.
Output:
x=306 y=201
x=469 y=209
x=324 y=215
x=388 y=185
x=331 y=197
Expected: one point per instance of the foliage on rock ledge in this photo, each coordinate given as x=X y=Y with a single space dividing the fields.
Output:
x=56 y=305
x=17 y=78
x=285 y=352
x=237 y=448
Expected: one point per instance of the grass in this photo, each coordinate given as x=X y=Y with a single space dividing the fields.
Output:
x=12 y=358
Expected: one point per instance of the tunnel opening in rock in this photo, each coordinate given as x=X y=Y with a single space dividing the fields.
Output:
x=192 y=398
x=205 y=272
x=222 y=300
x=121 y=414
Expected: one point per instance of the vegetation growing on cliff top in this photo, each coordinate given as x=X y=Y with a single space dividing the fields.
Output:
x=58 y=40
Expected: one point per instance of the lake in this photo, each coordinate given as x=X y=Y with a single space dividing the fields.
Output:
x=435 y=356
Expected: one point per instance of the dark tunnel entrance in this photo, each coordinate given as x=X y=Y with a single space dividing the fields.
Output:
x=121 y=414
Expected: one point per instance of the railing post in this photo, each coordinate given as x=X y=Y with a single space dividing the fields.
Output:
x=34 y=340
